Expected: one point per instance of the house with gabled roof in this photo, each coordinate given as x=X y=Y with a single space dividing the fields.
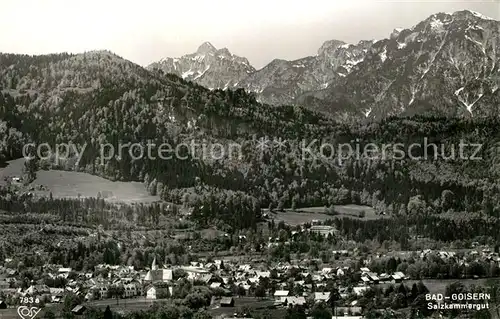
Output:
x=322 y=296
x=364 y=270
x=398 y=276
x=294 y=301
x=78 y=310
x=37 y=290
x=227 y=302
x=158 y=292
x=280 y=294
x=263 y=274
x=215 y=285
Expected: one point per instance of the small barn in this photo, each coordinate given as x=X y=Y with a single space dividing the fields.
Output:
x=227 y=302
x=78 y=310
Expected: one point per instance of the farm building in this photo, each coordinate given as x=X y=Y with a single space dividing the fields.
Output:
x=294 y=301
x=281 y=294
x=78 y=310
x=227 y=302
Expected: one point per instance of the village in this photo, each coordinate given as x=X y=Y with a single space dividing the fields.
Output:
x=226 y=285
x=313 y=263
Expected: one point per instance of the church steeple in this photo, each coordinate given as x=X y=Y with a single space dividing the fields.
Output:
x=153 y=265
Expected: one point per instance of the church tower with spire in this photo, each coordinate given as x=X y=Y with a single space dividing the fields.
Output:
x=153 y=265
x=155 y=274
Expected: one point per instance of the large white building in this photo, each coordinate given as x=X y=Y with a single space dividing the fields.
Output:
x=323 y=230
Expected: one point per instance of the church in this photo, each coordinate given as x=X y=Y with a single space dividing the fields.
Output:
x=158 y=275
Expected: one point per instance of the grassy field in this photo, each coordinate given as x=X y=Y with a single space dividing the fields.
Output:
x=14 y=168
x=124 y=305
x=10 y=313
x=64 y=184
x=296 y=218
x=353 y=211
x=308 y=214
x=140 y=303
x=242 y=302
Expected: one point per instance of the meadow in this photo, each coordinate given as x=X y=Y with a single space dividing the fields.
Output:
x=69 y=184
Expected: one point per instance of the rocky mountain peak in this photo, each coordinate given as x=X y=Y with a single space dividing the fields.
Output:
x=447 y=65
x=206 y=47
x=208 y=66
x=395 y=33
x=224 y=52
x=467 y=14
x=451 y=21
x=330 y=45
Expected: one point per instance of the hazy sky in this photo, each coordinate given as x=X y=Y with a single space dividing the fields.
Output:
x=261 y=30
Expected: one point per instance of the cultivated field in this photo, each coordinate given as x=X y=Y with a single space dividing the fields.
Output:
x=63 y=184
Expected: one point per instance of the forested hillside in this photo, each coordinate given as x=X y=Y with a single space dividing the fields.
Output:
x=98 y=98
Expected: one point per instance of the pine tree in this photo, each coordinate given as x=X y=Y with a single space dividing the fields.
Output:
x=107 y=313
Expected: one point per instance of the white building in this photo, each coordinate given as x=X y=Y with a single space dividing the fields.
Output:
x=152 y=292
x=321 y=296
x=280 y=295
x=323 y=230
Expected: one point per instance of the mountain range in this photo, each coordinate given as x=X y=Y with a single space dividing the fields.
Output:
x=279 y=82
x=446 y=65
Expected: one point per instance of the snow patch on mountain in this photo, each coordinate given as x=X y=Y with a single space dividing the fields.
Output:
x=383 y=55
x=479 y=15
x=351 y=63
x=368 y=112
x=457 y=92
x=202 y=73
x=187 y=73
x=437 y=25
